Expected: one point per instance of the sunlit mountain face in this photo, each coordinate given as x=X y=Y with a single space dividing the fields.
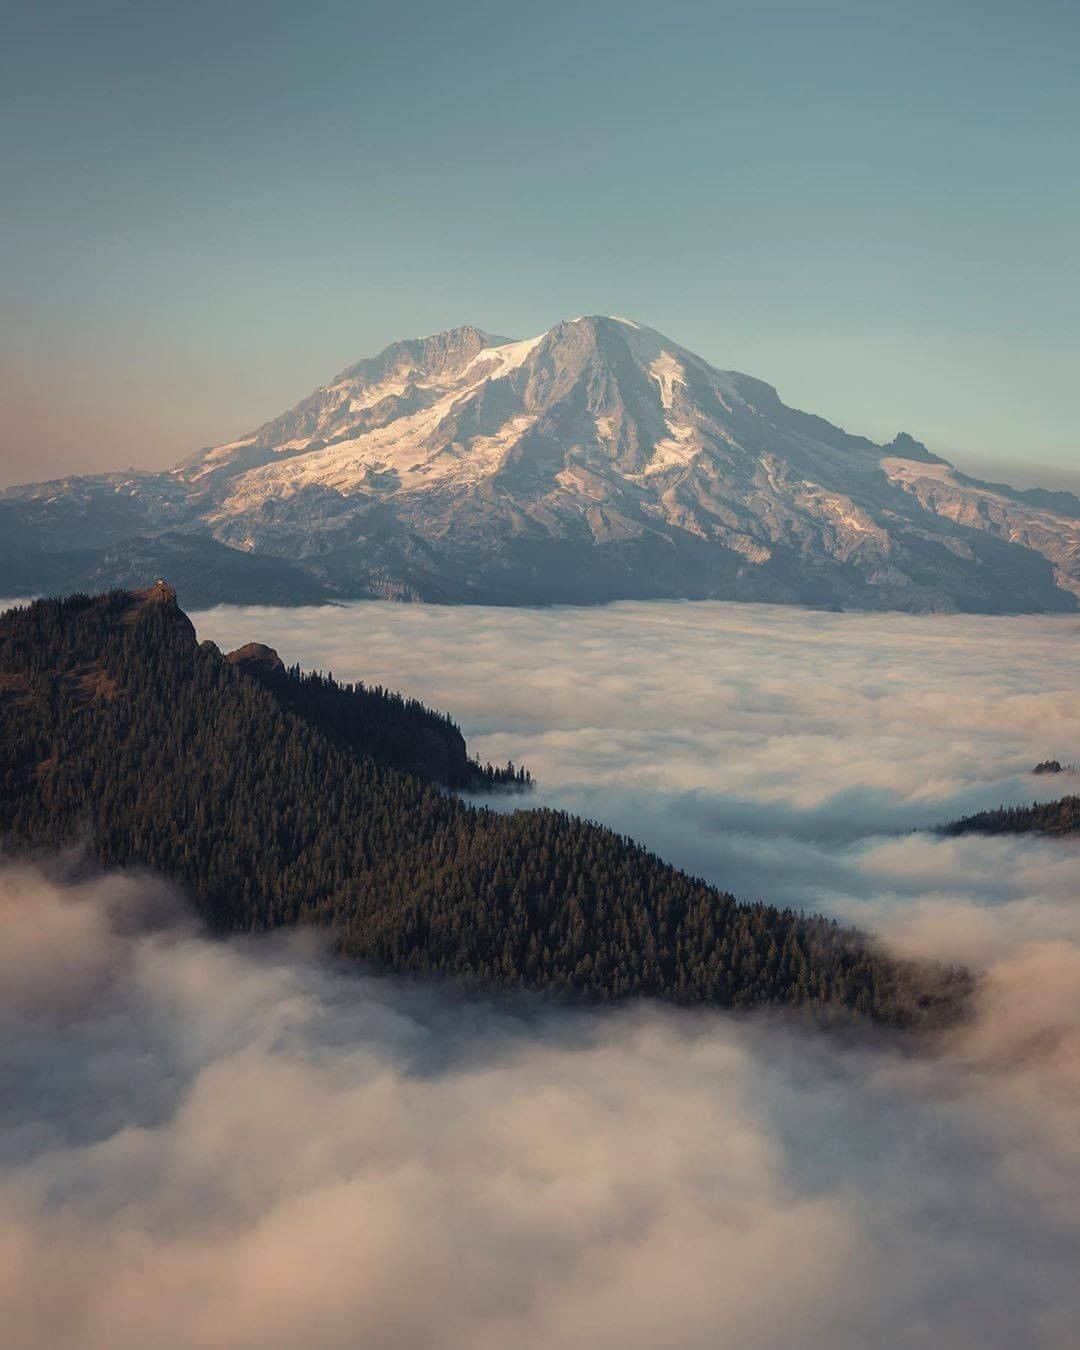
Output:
x=599 y=460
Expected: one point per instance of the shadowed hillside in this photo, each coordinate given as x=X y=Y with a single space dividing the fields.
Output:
x=273 y=799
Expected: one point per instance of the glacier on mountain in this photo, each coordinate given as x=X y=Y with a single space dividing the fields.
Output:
x=595 y=461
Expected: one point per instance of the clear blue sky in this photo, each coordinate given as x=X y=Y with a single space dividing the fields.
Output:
x=208 y=209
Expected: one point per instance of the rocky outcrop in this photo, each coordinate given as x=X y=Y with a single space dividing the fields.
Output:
x=256 y=658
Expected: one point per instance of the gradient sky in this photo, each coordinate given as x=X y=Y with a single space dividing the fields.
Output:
x=210 y=209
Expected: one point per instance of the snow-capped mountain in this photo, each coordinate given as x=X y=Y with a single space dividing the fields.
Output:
x=598 y=460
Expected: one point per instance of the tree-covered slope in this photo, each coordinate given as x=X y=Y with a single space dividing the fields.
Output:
x=119 y=732
x=398 y=732
x=1060 y=817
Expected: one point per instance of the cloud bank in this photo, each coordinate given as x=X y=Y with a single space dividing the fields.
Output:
x=245 y=1144
x=782 y=753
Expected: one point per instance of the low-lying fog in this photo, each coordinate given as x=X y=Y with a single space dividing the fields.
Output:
x=244 y=1144
x=784 y=754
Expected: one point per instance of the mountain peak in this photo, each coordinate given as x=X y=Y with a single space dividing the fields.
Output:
x=597 y=460
x=160 y=593
x=437 y=353
x=596 y=320
x=466 y=338
x=601 y=325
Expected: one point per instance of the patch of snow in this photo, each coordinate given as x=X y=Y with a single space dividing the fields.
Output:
x=605 y=428
x=402 y=446
x=401 y=372
x=485 y=455
x=399 y=448
x=671 y=454
x=505 y=358
x=219 y=455
x=667 y=372
x=1056 y=537
x=907 y=470
x=845 y=517
x=675 y=452
x=838 y=510
x=375 y=393
x=720 y=398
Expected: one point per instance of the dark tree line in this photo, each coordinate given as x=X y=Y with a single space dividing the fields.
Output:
x=278 y=798
x=400 y=732
x=1061 y=817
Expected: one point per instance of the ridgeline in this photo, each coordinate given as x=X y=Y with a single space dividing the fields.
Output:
x=279 y=798
x=1060 y=817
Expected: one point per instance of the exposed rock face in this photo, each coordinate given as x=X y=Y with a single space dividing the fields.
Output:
x=160 y=593
x=256 y=657
x=596 y=461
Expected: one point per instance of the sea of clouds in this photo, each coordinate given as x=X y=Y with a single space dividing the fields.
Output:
x=783 y=754
x=248 y=1144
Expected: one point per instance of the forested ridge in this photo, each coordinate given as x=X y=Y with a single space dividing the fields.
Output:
x=262 y=791
x=1060 y=817
x=400 y=732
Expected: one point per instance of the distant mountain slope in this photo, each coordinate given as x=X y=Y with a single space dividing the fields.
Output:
x=118 y=731
x=599 y=460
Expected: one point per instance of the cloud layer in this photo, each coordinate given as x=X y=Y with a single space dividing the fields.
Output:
x=784 y=754
x=246 y=1144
